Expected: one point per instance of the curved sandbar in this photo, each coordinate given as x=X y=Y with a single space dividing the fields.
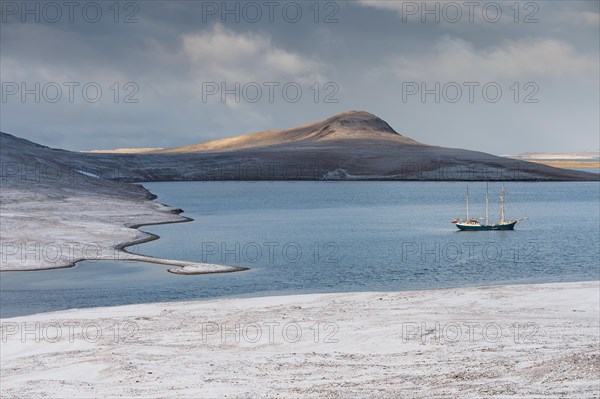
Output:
x=182 y=267
x=43 y=231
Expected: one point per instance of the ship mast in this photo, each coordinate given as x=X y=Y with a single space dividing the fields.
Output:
x=467 y=202
x=502 y=205
x=486 y=203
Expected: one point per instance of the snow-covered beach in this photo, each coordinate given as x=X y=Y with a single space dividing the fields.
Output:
x=509 y=341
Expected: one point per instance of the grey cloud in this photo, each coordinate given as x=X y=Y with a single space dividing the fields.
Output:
x=368 y=54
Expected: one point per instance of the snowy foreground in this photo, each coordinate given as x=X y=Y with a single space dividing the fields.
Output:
x=507 y=341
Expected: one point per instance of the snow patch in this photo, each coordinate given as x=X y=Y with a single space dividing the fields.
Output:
x=88 y=174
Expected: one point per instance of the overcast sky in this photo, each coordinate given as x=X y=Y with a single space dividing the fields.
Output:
x=161 y=68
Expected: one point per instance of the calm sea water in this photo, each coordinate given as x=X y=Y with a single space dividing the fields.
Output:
x=331 y=237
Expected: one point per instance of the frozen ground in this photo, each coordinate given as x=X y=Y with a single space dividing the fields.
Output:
x=53 y=213
x=503 y=341
x=40 y=231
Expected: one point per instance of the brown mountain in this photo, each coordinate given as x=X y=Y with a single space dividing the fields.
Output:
x=353 y=145
x=353 y=125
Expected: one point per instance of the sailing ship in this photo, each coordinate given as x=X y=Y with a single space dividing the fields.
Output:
x=475 y=224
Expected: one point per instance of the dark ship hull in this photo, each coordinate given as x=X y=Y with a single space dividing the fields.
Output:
x=477 y=226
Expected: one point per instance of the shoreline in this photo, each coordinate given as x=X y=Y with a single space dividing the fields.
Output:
x=294 y=296
x=151 y=259
x=526 y=340
x=267 y=295
x=33 y=228
x=121 y=247
x=280 y=295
